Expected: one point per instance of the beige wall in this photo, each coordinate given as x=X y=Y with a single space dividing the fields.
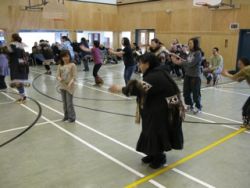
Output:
x=183 y=22
x=82 y=16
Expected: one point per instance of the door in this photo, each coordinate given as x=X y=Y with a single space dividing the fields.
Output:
x=143 y=37
x=244 y=44
x=92 y=37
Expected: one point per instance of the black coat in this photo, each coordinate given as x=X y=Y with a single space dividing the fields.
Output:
x=19 y=68
x=161 y=123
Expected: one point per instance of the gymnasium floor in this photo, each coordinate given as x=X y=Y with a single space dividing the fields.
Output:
x=97 y=151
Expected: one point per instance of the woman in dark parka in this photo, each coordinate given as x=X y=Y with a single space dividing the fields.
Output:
x=160 y=108
x=19 y=68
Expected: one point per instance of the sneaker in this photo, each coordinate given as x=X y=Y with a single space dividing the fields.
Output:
x=147 y=159
x=189 y=108
x=196 y=111
x=21 y=100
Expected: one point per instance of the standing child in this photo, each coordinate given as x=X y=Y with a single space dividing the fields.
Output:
x=66 y=75
x=4 y=68
x=97 y=56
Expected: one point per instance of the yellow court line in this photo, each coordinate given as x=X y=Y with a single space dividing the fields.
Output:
x=185 y=159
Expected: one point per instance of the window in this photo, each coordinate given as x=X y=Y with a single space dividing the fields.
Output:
x=2 y=39
x=105 y=37
x=30 y=37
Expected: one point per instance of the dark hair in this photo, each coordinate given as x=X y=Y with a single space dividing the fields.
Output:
x=153 y=63
x=83 y=39
x=96 y=43
x=245 y=61
x=63 y=53
x=151 y=59
x=126 y=41
x=196 y=44
x=216 y=48
x=65 y=38
x=157 y=41
x=16 y=38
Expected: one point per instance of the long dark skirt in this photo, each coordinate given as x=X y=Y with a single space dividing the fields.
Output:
x=246 y=109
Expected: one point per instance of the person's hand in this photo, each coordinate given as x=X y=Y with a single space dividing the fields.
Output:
x=224 y=72
x=59 y=78
x=176 y=59
x=110 y=50
x=115 y=88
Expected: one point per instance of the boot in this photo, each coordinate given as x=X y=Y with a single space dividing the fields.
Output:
x=147 y=159
x=158 y=161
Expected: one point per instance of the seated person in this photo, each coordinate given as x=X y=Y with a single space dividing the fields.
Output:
x=215 y=67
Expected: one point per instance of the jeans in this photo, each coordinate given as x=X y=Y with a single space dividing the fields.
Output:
x=68 y=107
x=192 y=91
x=96 y=69
x=86 y=65
x=128 y=73
x=21 y=90
x=86 y=60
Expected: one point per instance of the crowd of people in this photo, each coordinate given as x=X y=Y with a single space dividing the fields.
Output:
x=159 y=103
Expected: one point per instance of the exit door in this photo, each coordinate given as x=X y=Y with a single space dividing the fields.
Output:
x=244 y=44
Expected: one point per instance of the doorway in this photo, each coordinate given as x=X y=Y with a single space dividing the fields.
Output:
x=244 y=41
x=143 y=37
